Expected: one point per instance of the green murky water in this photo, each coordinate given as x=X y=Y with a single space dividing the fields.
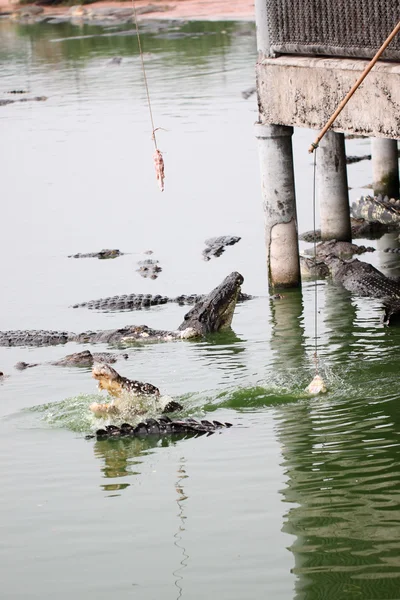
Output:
x=300 y=499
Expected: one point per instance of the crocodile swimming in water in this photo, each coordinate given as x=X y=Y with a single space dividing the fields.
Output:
x=365 y=280
x=216 y=246
x=380 y=209
x=372 y=216
x=360 y=228
x=338 y=248
x=102 y=254
x=139 y=301
x=316 y=267
x=149 y=268
x=159 y=427
x=77 y=359
x=213 y=313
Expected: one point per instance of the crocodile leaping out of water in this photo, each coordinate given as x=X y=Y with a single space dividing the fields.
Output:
x=119 y=386
x=139 y=301
x=365 y=280
x=212 y=313
x=159 y=427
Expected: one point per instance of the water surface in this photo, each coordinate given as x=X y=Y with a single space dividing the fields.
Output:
x=300 y=499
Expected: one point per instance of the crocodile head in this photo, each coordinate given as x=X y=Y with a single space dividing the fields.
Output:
x=334 y=263
x=311 y=267
x=215 y=311
x=108 y=379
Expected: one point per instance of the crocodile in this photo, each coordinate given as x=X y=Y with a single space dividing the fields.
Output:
x=355 y=159
x=246 y=94
x=338 y=248
x=35 y=99
x=309 y=267
x=360 y=228
x=77 y=359
x=149 y=268
x=212 y=313
x=118 y=386
x=139 y=301
x=216 y=246
x=381 y=209
x=102 y=254
x=162 y=426
x=365 y=280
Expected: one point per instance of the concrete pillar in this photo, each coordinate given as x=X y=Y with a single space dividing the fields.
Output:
x=332 y=188
x=385 y=167
x=279 y=201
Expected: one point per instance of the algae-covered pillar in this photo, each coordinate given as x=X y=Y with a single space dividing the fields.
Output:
x=385 y=167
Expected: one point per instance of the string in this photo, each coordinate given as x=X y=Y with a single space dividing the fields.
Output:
x=315 y=278
x=153 y=129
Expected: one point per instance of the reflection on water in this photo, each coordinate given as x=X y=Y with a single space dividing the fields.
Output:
x=342 y=464
x=180 y=501
x=120 y=458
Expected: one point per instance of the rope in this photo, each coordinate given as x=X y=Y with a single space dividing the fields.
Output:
x=315 y=278
x=157 y=156
x=153 y=129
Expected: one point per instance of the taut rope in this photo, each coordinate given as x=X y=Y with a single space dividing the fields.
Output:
x=315 y=278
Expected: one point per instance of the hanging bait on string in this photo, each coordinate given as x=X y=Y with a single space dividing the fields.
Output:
x=317 y=386
x=159 y=166
x=157 y=156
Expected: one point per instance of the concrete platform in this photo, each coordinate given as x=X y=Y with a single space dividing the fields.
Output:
x=303 y=91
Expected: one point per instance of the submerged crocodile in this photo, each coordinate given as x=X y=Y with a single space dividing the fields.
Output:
x=139 y=301
x=360 y=228
x=310 y=267
x=216 y=246
x=78 y=359
x=102 y=254
x=381 y=209
x=355 y=159
x=212 y=313
x=35 y=99
x=365 y=280
x=159 y=427
x=315 y=266
x=338 y=248
x=149 y=268
x=119 y=386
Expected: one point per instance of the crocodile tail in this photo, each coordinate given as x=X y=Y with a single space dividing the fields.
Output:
x=161 y=426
